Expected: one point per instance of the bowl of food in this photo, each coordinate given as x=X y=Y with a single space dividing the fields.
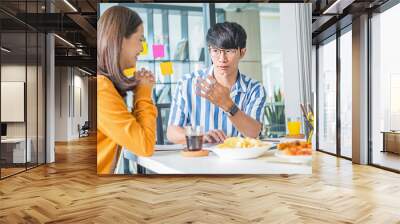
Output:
x=241 y=148
x=298 y=151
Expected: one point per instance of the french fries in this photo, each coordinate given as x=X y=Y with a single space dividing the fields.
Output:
x=238 y=142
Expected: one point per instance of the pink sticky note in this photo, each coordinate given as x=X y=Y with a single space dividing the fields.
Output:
x=158 y=50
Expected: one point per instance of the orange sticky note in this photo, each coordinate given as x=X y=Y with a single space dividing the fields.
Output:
x=144 y=46
x=129 y=72
x=166 y=68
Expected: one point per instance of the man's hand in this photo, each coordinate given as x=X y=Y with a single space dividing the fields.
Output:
x=214 y=92
x=214 y=136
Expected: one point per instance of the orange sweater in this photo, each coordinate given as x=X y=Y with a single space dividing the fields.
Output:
x=116 y=126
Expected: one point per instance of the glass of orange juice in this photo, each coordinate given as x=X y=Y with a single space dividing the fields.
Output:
x=294 y=126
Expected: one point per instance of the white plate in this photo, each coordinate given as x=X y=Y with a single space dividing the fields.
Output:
x=281 y=154
x=240 y=153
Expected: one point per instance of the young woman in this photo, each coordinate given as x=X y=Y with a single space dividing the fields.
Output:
x=119 y=42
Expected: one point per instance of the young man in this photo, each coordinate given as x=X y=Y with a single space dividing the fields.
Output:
x=222 y=100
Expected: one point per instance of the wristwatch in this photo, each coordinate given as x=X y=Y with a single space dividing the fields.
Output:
x=232 y=111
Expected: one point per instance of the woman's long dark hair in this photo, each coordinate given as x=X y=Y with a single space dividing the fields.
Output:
x=116 y=23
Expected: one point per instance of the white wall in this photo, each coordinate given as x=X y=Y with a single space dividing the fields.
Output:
x=61 y=103
x=71 y=94
x=250 y=65
x=272 y=66
x=80 y=115
x=291 y=63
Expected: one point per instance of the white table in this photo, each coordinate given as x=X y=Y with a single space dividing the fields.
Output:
x=19 y=155
x=171 y=162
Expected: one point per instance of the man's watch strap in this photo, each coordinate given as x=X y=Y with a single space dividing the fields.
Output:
x=233 y=110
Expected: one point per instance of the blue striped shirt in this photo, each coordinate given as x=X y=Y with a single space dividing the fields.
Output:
x=189 y=109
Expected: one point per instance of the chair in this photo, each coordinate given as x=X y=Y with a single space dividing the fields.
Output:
x=127 y=160
x=162 y=122
x=84 y=130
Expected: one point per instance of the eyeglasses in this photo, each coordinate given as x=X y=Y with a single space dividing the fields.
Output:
x=216 y=52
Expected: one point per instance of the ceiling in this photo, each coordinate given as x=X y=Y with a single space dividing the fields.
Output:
x=328 y=16
x=72 y=20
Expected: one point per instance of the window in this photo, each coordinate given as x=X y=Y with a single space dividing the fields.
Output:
x=327 y=96
x=346 y=94
x=196 y=35
x=385 y=86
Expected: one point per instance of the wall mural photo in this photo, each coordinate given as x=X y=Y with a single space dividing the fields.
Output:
x=177 y=96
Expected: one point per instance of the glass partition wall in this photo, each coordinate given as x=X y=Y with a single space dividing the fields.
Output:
x=22 y=77
x=13 y=86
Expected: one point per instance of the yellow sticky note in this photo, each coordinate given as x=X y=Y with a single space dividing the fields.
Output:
x=144 y=46
x=166 y=68
x=129 y=72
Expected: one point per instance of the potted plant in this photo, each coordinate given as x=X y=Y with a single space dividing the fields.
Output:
x=274 y=113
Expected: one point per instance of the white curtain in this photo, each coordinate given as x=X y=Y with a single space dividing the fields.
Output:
x=303 y=13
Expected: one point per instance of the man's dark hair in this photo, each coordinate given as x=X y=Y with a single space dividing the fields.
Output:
x=226 y=35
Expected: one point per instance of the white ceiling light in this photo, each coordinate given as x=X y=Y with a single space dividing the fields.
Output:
x=5 y=50
x=86 y=72
x=338 y=6
x=70 y=5
x=331 y=7
x=65 y=41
